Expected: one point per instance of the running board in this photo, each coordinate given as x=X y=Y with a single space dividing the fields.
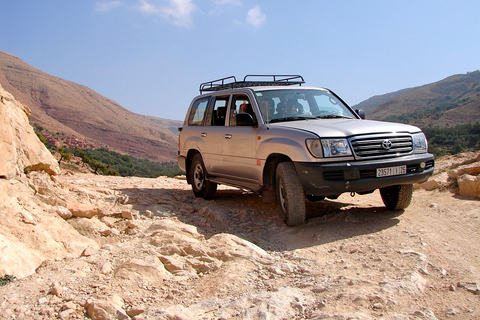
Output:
x=234 y=183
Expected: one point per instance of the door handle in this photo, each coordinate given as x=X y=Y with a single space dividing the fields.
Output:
x=203 y=134
x=228 y=136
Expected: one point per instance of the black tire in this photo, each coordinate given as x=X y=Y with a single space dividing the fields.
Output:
x=397 y=197
x=290 y=194
x=201 y=187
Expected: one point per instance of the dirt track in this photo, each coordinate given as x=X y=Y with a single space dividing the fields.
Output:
x=353 y=259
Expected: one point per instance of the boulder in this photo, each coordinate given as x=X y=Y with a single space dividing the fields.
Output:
x=469 y=186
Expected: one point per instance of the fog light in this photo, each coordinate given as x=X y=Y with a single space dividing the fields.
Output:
x=423 y=165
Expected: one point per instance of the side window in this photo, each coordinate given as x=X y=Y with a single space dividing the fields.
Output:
x=219 y=111
x=240 y=104
x=197 y=113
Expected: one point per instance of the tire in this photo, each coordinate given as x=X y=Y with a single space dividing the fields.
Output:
x=290 y=194
x=201 y=187
x=397 y=197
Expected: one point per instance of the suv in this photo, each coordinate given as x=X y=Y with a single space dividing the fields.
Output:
x=268 y=132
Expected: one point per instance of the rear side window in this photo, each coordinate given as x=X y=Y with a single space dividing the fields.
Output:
x=197 y=113
x=219 y=111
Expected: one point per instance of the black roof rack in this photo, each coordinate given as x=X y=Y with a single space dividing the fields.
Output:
x=254 y=81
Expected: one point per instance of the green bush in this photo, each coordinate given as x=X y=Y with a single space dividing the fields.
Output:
x=107 y=162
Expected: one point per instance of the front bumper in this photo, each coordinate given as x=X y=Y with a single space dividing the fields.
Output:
x=334 y=178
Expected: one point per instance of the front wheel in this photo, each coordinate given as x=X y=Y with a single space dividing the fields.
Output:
x=397 y=197
x=201 y=187
x=290 y=194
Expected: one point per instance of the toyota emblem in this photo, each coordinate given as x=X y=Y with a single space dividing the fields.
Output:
x=387 y=144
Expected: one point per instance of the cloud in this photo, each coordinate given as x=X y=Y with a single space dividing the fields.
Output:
x=147 y=7
x=105 y=6
x=230 y=2
x=255 y=17
x=178 y=11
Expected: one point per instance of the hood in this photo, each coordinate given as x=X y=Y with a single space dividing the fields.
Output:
x=346 y=127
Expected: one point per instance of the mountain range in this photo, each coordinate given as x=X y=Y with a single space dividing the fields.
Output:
x=69 y=114
x=74 y=115
x=452 y=101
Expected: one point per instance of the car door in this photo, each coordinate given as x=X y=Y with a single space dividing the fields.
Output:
x=212 y=133
x=239 y=143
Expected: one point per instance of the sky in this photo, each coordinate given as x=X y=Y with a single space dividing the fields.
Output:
x=150 y=56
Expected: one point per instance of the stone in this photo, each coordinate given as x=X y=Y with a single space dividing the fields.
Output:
x=63 y=212
x=84 y=210
x=469 y=186
x=56 y=289
x=150 y=268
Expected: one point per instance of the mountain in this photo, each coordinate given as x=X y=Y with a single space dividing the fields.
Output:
x=74 y=115
x=446 y=103
x=375 y=101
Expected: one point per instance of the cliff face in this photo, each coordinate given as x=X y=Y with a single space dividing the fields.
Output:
x=31 y=231
x=20 y=149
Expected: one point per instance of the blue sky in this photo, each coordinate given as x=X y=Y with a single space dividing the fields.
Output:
x=150 y=56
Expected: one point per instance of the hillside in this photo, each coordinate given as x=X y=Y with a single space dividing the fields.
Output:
x=75 y=115
x=446 y=103
x=375 y=101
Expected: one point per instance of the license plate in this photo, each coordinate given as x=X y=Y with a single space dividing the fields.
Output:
x=391 y=171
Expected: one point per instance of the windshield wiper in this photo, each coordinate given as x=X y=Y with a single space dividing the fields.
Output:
x=333 y=116
x=293 y=118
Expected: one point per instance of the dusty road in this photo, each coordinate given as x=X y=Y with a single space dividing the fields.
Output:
x=233 y=258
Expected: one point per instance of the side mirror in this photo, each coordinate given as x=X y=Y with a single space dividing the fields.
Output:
x=245 y=120
x=360 y=113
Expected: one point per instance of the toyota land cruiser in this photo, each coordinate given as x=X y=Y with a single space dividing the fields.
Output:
x=268 y=132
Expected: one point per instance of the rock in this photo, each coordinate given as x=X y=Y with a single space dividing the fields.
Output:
x=89 y=251
x=469 y=286
x=20 y=147
x=24 y=246
x=63 y=212
x=133 y=224
x=129 y=215
x=84 y=210
x=469 y=186
x=106 y=268
x=150 y=268
x=425 y=314
x=109 y=309
x=56 y=289
x=135 y=311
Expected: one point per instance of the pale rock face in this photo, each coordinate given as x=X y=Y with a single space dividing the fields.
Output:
x=20 y=148
x=31 y=231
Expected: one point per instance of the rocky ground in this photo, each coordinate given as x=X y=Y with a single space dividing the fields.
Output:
x=163 y=254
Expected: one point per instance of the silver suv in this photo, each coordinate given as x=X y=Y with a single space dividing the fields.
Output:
x=272 y=133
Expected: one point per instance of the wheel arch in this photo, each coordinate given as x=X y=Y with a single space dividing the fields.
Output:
x=269 y=171
x=188 y=162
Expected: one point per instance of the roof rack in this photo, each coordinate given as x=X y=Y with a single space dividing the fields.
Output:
x=260 y=80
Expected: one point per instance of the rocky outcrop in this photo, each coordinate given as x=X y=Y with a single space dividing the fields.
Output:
x=459 y=172
x=20 y=148
x=31 y=230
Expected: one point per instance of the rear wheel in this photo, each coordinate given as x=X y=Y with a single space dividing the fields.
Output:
x=200 y=185
x=397 y=197
x=290 y=194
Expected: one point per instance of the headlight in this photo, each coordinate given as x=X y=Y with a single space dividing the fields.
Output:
x=329 y=147
x=420 y=144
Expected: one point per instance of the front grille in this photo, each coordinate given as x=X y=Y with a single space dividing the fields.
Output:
x=380 y=146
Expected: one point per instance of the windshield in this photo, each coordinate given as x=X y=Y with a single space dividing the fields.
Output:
x=301 y=104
